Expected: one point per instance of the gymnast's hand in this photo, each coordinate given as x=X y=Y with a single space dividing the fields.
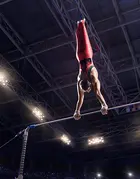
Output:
x=104 y=110
x=77 y=115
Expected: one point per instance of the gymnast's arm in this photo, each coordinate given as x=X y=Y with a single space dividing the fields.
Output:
x=80 y=100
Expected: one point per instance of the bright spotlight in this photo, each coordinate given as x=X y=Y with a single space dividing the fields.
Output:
x=38 y=114
x=96 y=141
x=99 y=175
x=3 y=79
x=130 y=174
x=65 y=139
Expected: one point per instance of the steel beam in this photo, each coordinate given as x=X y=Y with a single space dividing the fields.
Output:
x=66 y=20
x=123 y=13
x=99 y=22
x=36 y=64
x=116 y=63
x=58 y=21
x=22 y=93
x=72 y=76
x=60 y=7
x=118 y=26
x=130 y=47
x=31 y=54
x=62 y=11
x=5 y=2
x=75 y=83
x=9 y=101
x=46 y=45
x=41 y=47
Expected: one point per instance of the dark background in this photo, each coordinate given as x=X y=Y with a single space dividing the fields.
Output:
x=37 y=47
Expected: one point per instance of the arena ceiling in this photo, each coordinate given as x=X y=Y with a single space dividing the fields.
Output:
x=37 y=47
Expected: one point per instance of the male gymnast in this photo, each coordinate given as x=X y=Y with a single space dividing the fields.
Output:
x=88 y=74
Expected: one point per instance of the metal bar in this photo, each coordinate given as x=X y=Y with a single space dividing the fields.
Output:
x=18 y=134
x=125 y=32
x=118 y=26
x=115 y=63
x=117 y=128
x=70 y=84
x=123 y=13
x=107 y=63
x=83 y=111
x=67 y=42
x=120 y=71
x=84 y=114
x=17 y=126
x=65 y=18
x=57 y=88
x=41 y=51
x=55 y=16
x=22 y=93
x=9 y=101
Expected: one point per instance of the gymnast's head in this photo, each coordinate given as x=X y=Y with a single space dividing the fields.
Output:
x=85 y=85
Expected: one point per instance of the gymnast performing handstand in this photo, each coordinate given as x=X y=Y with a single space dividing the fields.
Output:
x=88 y=74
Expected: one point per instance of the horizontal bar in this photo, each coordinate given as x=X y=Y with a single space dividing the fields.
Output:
x=84 y=114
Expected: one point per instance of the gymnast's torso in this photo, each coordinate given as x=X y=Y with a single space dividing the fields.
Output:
x=85 y=67
x=85 y=64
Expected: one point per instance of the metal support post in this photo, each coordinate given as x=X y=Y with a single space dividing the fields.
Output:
x=23 y=153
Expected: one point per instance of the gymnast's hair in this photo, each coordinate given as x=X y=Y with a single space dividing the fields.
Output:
x=85 y=85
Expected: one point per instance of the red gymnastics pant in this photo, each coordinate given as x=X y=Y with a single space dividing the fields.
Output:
x=84 y=49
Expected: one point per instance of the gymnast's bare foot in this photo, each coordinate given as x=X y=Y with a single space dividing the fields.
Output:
x=78 y=22
x=83 y=21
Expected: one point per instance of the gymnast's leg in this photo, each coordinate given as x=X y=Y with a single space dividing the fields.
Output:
x=83 y=48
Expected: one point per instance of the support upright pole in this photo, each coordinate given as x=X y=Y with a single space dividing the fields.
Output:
x=23 y=154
